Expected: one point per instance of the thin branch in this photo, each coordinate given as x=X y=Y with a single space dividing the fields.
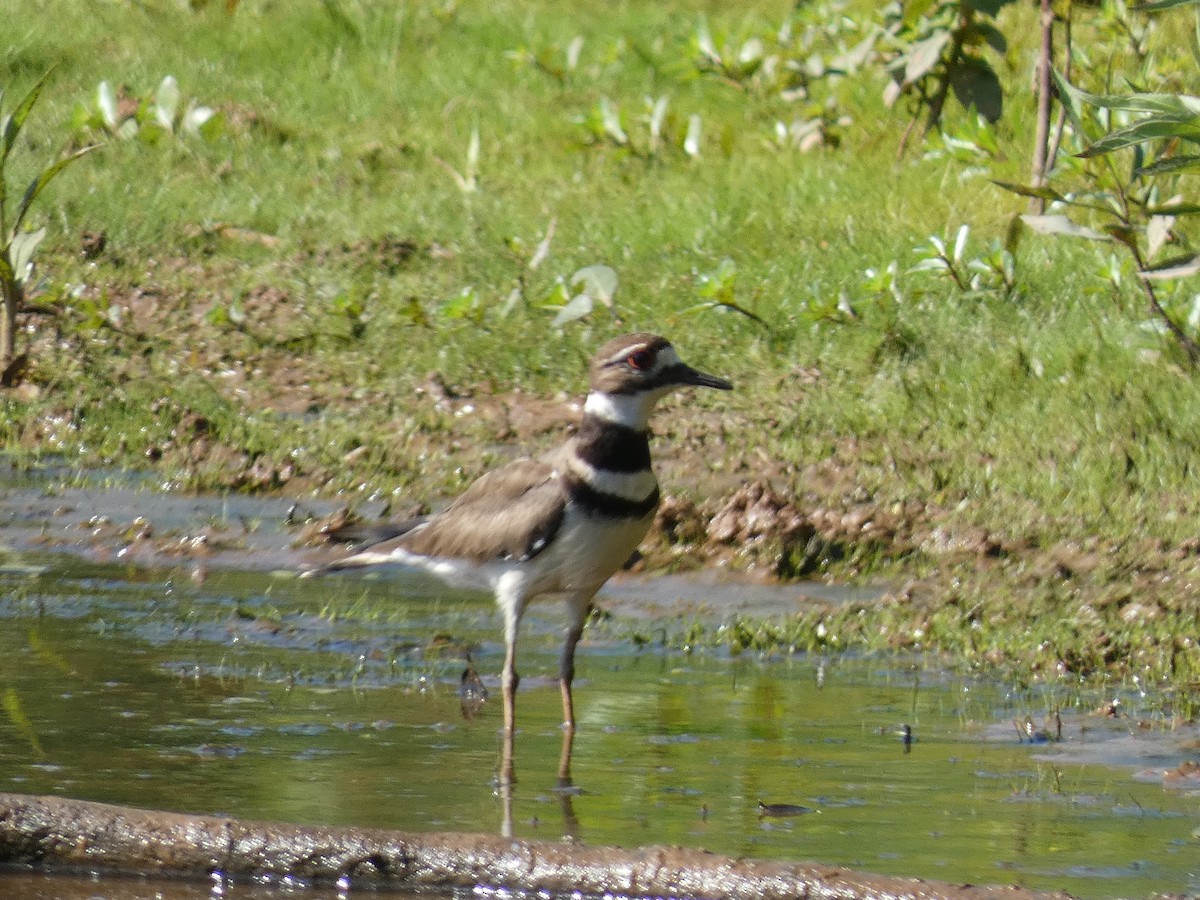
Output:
x=1185 y=340
x=1042 y=137
x=1061 y=124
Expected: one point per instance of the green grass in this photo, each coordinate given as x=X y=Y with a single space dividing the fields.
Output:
x=1048 y=419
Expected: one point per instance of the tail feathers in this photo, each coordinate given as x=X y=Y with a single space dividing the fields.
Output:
x=371 y=536
x=360 y=533
x=356 y=561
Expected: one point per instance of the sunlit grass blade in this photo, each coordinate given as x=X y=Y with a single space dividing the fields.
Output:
x=11 y=127
x=44 y=178
x=15 y=711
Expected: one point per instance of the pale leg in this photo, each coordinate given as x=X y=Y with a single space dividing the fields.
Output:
x=511 y=600
x=508 y=684
x=504 y=790
x=509 y=679
x=579 y=608
x=564 y=758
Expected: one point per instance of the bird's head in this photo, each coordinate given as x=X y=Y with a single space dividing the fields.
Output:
x=631 y=372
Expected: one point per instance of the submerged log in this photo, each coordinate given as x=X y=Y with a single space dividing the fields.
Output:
x=53 y=831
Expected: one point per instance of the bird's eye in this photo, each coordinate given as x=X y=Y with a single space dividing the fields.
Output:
x=641 y=360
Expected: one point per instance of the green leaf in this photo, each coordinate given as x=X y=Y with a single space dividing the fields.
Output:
x=107 y=101
x=599 y=282
x=166 y=102
x=461 y=306
x=991 y=35
x=1174 y=209
x=1029 y=190
x=1139 y=132
x=20 y=251
x=1170 y=164
x=960 y=241
x=203 y=121
x=611 y=120
x=1059 y=224
x=1070 y=98
x=1123 y=234
x=1159 y=5
x=47 y=175
x=891 y=92
x=579 y=307
x=929 y=264
x=988 y=7
x=1180 y=267
x=691 y=141
x=12 y=124
x=7 y=275
x=924 y=56
x=1012 y=235
x=914 y=9
x=1180 y=107
x=976 y=85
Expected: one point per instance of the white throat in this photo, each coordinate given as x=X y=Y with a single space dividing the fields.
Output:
x=630 y=410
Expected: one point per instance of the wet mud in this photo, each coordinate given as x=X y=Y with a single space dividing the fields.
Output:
x=129 y=523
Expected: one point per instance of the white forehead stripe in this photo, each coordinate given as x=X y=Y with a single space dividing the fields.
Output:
x=667 y=357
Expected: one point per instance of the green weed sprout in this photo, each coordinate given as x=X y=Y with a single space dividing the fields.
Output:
x=935 y=50
x=1128 y=200
x=17 y=245
x=595 y=284
x=151 y=118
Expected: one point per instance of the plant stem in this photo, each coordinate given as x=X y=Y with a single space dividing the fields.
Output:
x=1061 y=122
x=1042 y=138
x=8 y=329
x=1189 y=345
x=955 y=275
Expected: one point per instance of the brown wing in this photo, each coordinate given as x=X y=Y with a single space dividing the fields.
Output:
x=511 y=513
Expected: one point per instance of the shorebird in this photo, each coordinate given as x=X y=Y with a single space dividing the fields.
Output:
x=560 y=524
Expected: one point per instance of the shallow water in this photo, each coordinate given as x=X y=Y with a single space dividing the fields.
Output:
x=237 y=696
x=337 y=701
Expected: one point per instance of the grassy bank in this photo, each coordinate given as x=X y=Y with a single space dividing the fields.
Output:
x=329 y=290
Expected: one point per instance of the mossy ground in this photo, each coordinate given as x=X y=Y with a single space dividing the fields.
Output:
x=311 y=302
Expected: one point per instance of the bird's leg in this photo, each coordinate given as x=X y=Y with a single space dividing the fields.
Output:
x=566 y=671
x=509 y=679
x=507 y=774
x=564 y=759
x=504 y=790
x=512 y=606
x=566 y=788
x=511 y=600
x=508 y=683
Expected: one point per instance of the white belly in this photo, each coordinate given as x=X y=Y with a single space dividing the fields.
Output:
x=581 y=557
x=585 y=552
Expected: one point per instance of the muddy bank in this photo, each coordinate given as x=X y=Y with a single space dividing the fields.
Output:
x=1081 y=611
x=124 y=519
x=73 y=834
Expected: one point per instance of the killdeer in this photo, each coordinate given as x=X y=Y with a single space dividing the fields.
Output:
x=560 y=524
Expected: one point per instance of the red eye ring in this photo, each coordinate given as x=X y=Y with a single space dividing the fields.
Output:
x=641 y=360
